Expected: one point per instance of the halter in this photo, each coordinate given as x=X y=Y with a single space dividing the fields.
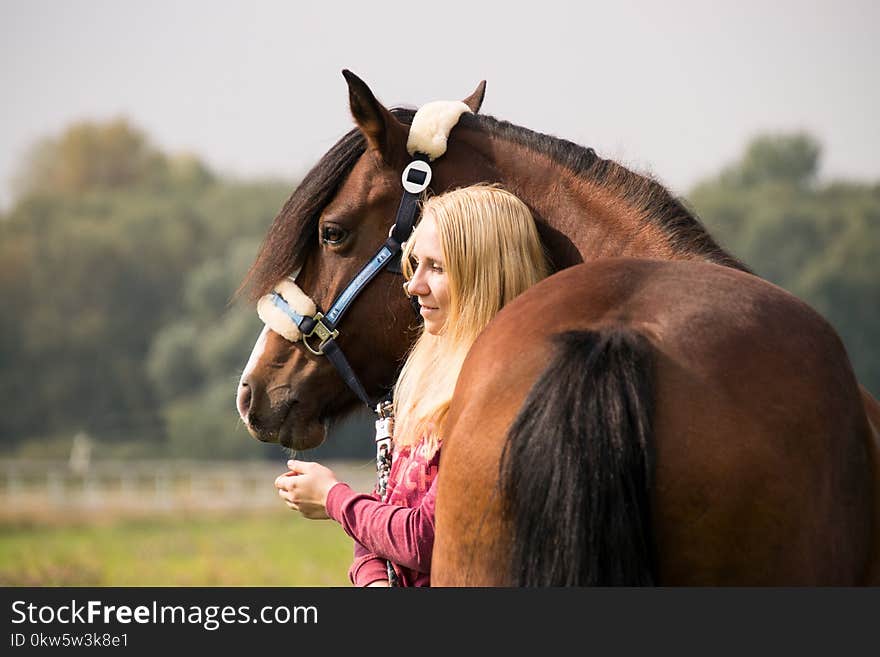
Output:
x=426 y=142
x=319 y=331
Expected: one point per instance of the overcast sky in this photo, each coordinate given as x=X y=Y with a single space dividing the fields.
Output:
x=675 y=88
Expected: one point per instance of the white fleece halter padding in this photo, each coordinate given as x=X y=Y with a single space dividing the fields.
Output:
x=276 y=319
x=431 y=127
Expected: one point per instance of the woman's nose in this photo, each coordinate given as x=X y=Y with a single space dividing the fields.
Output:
x=418 y=286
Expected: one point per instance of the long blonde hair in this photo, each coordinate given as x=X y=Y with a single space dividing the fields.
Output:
x=492 y=253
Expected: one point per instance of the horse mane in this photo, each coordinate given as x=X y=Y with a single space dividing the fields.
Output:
x=650 y=199
x=297 y=223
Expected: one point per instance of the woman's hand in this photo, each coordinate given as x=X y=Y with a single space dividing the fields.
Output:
x=304 y=488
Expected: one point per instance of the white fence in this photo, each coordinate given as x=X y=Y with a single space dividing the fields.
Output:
x=27 y=485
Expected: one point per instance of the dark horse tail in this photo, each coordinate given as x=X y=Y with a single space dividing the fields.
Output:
x=577 y=467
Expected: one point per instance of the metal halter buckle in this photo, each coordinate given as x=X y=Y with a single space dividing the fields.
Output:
x=323 y=332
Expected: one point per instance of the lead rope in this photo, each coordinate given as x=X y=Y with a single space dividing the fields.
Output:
x=384 y=431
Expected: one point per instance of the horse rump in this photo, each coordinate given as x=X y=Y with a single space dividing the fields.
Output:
x=577 y=467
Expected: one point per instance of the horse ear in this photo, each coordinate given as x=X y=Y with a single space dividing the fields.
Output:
x=382 y=130
x=475 y=100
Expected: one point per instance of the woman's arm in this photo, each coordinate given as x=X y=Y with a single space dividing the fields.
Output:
x=304 y=488
x=402 y=534
x=367 y=569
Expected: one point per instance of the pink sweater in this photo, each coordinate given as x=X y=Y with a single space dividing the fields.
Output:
x=400 y=529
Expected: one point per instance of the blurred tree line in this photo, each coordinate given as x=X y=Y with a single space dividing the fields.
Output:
x=117 y=267
x=118 y=263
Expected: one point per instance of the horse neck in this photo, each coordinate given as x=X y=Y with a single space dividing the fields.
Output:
x=584 y=219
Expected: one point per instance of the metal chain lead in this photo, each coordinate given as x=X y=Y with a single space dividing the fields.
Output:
x=384 y=431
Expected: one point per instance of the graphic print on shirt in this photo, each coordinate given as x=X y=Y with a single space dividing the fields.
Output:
x=411 y=475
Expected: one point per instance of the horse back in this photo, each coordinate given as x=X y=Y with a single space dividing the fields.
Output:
x=764 y=461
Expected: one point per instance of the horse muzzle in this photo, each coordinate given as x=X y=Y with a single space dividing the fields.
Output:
x=275 y=416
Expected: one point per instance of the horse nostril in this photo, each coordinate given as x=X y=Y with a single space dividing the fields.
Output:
x=243 y=400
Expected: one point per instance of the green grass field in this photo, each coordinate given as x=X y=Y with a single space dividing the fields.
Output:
x=265 y=548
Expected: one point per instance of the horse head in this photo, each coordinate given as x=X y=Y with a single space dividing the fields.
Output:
x=330 y=227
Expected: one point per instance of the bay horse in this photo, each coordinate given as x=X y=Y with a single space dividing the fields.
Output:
x=652 y=413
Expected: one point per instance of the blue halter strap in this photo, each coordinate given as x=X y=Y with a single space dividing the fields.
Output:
x=323 y=327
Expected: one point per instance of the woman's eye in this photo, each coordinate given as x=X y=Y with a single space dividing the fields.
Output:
x=333 y=234
x=437 y=268
x=413 y=262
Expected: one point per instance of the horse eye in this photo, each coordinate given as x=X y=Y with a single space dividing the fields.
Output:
x=333 y=235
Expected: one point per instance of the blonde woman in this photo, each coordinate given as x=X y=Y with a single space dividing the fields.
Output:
x=474 y=250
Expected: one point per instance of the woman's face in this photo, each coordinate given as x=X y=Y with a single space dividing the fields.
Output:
x=430 y=282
